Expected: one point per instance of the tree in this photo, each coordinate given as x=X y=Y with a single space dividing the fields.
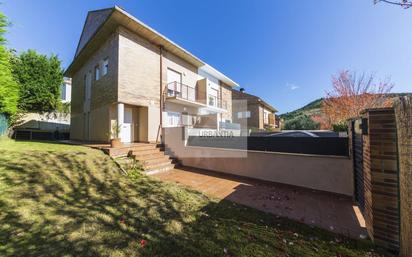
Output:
x=40 y=78
x=350 y=95
x=9 y=89
x=301 y=122
x=403 y=3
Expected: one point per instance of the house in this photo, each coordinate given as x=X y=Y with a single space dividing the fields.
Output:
x=253 y=112
x=126 y=73
x=66 y=90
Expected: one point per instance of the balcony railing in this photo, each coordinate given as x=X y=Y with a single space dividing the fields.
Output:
x=185 y=92
x=179 y=90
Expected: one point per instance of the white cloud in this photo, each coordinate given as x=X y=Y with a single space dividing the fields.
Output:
x=292 y=86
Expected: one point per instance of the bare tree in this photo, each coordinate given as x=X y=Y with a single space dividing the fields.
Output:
x=403 y=3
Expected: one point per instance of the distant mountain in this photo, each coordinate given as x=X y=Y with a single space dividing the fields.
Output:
x=310 y=109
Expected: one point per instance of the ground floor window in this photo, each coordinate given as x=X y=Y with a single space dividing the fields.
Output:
x=173 y=119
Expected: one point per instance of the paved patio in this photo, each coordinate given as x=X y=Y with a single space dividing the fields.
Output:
x=326 y=210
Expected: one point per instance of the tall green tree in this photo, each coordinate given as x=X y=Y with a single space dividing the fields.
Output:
x=40 y=78
x=9 y=89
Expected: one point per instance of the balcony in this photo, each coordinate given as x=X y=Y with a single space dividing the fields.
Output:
x=179 y=93
x=183 y=94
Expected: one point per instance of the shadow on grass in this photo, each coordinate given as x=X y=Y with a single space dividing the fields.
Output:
x=78 y=204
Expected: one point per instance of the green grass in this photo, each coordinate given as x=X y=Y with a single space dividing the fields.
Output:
x=62 y=200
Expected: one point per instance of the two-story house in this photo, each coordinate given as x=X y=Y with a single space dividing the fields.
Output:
x=126 y=73
x=253 y=112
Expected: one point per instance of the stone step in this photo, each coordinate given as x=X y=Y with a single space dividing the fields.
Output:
x=160 y=168
x=142 y=147
x=142 y=154
x=154 y=165
x=163 y=159
x=150 y=157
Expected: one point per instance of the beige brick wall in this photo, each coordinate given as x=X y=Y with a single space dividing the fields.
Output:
x=226 y=92
x=139 y=70
x=103 y=92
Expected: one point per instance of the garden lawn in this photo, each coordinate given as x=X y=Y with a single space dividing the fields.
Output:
x=63 y=200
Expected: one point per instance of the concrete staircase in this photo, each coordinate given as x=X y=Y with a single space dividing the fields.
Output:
x=152 y=158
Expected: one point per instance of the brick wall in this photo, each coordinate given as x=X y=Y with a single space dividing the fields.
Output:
x=381 y=178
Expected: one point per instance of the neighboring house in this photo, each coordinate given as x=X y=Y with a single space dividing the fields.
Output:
x=48 y=122
x=126 y=73
x=66 y=90
x=252 y=112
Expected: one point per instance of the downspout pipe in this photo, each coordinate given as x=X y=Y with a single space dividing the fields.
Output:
x=161 y=93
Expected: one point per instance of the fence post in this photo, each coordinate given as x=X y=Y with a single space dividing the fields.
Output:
x=403 y=112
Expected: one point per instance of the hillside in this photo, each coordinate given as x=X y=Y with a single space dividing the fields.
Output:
x=301 y=118
x=310 y=109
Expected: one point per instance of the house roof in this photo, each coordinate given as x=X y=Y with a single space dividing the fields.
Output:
x=243 y=95
x=102 y=23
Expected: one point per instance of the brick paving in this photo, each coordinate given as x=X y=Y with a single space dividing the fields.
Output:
x=329 y=211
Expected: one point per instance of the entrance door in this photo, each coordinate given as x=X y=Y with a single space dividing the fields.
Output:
x=127 y=125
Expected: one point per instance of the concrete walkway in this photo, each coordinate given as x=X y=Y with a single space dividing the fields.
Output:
x=326 y=210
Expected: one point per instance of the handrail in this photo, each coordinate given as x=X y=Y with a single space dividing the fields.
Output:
x=182 y=91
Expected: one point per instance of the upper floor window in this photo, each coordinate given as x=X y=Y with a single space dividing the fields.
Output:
x=97 y=72
x=243 y=115
x=105 y=68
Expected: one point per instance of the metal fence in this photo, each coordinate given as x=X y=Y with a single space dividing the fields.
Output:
x=3 y=124
x=337 y=146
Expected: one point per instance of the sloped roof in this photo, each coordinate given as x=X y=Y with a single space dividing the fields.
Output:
x=242 y=95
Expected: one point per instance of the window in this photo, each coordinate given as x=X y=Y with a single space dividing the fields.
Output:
x=105 y=69
x=174 y=119
x=243 y=115
x=97 y=72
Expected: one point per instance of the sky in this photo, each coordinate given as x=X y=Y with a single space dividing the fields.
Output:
x=283 y=51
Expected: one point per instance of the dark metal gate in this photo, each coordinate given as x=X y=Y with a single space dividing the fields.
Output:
x=358 y=163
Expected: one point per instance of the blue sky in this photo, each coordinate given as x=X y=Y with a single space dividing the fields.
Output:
x=283 y=51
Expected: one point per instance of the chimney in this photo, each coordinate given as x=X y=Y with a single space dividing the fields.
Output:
x=242 y=90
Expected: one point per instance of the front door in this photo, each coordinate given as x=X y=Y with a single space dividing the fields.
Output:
x=127 y=127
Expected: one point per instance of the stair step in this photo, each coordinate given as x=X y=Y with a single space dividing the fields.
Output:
x=151 y=165
x=142 y=147
x=164 y=159
x=161 y=168
x=146 y=155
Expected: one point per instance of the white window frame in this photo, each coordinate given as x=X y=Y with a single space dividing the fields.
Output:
x=105 y=67
x=173 y=119
x=97 y=72
x=243 y=115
